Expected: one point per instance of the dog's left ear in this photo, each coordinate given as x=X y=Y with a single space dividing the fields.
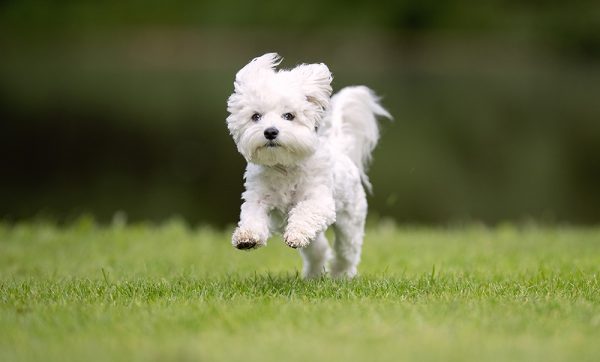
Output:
x=316 y=83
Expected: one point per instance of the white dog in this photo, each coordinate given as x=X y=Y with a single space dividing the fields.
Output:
x=307 y=155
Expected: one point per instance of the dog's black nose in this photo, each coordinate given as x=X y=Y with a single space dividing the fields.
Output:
x=271 y=133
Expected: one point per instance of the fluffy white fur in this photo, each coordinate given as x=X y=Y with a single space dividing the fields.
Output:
x=311 y=175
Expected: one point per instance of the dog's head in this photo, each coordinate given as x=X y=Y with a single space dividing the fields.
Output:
x=275 y=114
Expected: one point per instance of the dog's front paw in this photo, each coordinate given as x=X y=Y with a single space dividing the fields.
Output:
x=245 y=239
x=296 y=239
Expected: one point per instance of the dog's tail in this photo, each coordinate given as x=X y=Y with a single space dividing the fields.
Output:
x=353 y=126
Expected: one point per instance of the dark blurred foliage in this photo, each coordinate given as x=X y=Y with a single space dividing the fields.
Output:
x=120 y=105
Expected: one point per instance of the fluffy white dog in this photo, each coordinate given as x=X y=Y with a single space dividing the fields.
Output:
x=307 y=154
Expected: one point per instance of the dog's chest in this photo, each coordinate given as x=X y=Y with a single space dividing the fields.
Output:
x=282 y=188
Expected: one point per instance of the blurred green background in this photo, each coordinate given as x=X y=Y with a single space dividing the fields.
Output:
x=110 y=106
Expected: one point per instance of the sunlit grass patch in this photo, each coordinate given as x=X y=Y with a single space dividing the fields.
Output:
x=173 y=292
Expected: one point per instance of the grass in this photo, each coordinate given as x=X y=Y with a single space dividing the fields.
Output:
x=171 y=292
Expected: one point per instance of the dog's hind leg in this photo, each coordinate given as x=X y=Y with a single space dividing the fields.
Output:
x=347 y=247
x=315 y=257
x=349 y=232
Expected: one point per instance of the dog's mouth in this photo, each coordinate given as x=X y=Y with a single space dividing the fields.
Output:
x=272 y=144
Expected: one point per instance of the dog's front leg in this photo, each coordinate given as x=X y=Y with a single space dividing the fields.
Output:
x=309 y=217
x=253 y=228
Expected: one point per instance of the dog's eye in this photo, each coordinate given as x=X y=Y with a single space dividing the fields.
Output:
x=288 y=116
x=255 y=117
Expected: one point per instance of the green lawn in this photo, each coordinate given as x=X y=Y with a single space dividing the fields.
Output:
x=171 y=292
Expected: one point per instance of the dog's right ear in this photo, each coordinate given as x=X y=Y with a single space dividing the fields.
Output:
x=266 y=62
